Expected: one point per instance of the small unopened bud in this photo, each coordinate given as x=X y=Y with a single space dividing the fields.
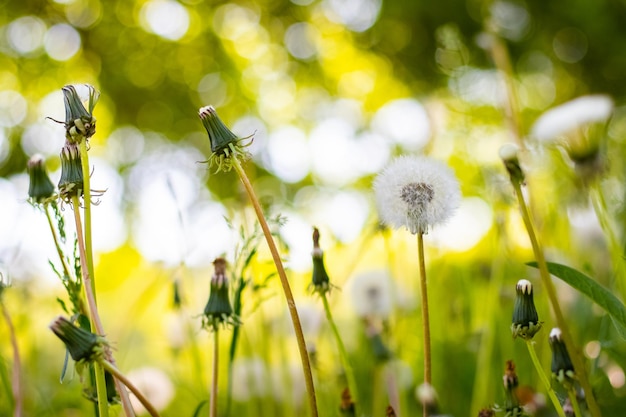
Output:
x=486 y=412
x=320 y=282
x=218 y=311
x=509 y=155
x=562 y=367
x=511 y=402
x=40 y=188
x=81 y=344
x=525 y=318
x=71 y=182
x=79 y=121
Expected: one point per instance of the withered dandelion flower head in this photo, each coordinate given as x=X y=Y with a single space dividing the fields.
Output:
x=40 y=189
x=80 y=122
x=218 y=311
x=225 y=145
x=416 y=192
x=83 y=346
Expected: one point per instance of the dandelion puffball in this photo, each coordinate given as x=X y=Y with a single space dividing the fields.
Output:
x=416 y=192
x=572 y=115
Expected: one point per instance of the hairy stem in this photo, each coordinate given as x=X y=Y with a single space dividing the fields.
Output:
x=544 y=379
x=425 y=316
x=304 y=356
x=122 y=378
x=16 y=374
x=57 y=245
x=575 y=355
x=86 y=260
x=343 y=353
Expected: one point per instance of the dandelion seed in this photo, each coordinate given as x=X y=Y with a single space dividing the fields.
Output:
x=416 y=192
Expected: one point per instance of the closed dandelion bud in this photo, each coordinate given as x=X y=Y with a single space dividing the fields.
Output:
x=224 y=143
x=79 y=121
x=509 y=155
x=562 y=368
x=40 y=188
x=525 y=319
x=218 y=310
x=320 y=282
x=81 y=344
x=511 y=403
x=71 y=182
x=416 y=192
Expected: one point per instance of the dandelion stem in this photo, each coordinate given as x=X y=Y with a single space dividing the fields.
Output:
x=86 y=259
x=577 y=361
x=343 y=353
x=425 y=316
x=101 y=390
x=16 y=379
x=306 y=365
x=119 y=376
x=544 y=379
x=213 y=407
x=571 y=393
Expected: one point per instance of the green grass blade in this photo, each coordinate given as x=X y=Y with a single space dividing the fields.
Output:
x=596 y=292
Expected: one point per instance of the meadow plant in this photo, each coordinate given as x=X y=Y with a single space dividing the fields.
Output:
x=417 y=193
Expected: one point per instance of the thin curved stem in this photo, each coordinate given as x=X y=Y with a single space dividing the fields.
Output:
x=425 y=315
x=546 y=382
x=577 y=361
x=16 y=376
x=343 y=353
x=291 y=304
x=122 y=378
x=213 y=407
x=87 y=266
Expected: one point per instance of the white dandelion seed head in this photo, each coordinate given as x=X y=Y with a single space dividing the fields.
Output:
x=572 y=115
x=154 y=384
x=371 y=294
x=416 y=192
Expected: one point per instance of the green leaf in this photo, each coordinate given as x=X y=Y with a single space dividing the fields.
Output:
x=598 y=294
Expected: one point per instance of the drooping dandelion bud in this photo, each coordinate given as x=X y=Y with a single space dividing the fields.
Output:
x=224 y=143
x=40 y=188
x=71 y=182
x=509 y=155
x=81 y=344
x=320 y=282
x=416 y=192
x=525 y=318
x=218 y=311
x=562 y=367
x=79 y=121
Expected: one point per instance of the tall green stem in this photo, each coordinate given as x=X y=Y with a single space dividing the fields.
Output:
x=101 y=389
x=213 y=407
x=16 y=379
x=343 y=353
x=425 y=315
x=57 y=245
x=89 y=280
x=577 y=360
x=291 y=304
x=571 y=393
x=544 y=379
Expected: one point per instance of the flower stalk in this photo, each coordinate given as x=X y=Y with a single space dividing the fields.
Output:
x=227 y=151
x=512 y=164
x=16 y=372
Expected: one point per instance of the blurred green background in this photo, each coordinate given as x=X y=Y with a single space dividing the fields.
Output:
x=331 y=90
